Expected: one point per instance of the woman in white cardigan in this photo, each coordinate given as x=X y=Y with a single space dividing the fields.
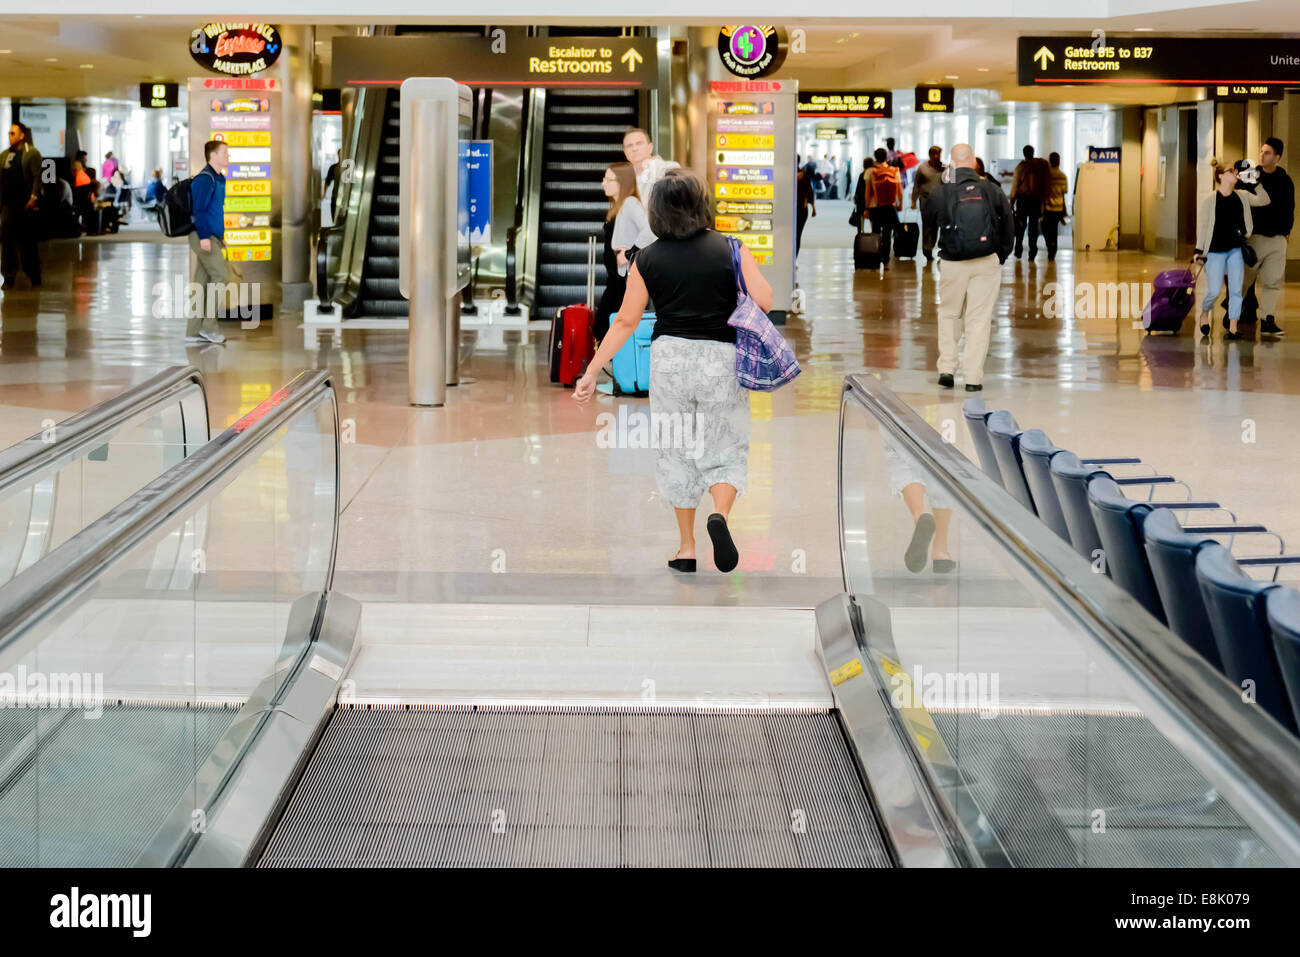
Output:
x=1224 y=225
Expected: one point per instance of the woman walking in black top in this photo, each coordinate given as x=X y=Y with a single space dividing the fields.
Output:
x=1224 y=226
x=695 y=400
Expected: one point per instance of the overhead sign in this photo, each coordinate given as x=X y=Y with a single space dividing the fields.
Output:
x=935 y=99
x=236 y=49
x=1158 y=60
x=1244 y=91
x=1103 y=154
x=827 y=134
x=870 y=104
x=752 y=51
x=160 y=96
x=629 y=62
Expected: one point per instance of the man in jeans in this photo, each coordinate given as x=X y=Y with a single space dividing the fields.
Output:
x=1029 y=185
x=976 y=235
x=884 y=200
x=1272 y=226
x=207 y=242
x=929 y=177
x=1054 y=206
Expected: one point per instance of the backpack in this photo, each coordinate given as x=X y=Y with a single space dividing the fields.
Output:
x=970 y=231
x=885 y=186
x=176 y=211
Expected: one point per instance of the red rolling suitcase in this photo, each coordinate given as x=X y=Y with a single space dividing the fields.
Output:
x=572 y=344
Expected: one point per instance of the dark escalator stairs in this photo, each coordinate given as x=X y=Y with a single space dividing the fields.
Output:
x=582 y=135
x=380 y=295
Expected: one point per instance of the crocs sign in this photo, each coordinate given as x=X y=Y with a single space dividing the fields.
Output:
x=752 y=51
x=236 y=49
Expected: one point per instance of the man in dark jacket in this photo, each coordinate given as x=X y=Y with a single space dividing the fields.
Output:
x=207 y=242
x=976 y=235
x=1029 y=188
x=20 y=191
x=1272 y=226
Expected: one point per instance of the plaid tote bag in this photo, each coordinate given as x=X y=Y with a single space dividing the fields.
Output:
x=764 y=360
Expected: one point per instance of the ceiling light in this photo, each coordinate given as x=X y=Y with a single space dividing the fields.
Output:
x=1143 y=29
x=88 y=66
x=984 y=69
x=6 y=51
x=51 y=59
x=853 y=35
x=951 y=76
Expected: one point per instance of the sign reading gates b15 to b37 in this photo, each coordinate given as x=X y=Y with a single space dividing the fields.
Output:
x=1147 y=59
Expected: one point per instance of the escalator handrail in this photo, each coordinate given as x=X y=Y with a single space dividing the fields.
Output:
x=87 y=429
x=53 y=584
x=1246 y=740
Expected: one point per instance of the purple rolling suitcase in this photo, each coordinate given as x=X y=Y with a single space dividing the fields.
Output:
x=1173 y=293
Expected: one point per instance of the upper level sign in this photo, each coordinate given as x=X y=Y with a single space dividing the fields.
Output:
x=1158 y=60
x=630 y=62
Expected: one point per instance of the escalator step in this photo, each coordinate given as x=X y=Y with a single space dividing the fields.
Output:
x=568 y=274
x=601 y=111
x=608 y=131
x=387 y=308
x=587 y=149
x=380 y=287
x=382 y=267
x=554 y=170
x=591 y=186
x=383 y=245
x=386 y=222
x=593 y=212
x=571 y=230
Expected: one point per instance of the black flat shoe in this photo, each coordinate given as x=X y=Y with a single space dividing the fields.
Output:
x=914 y=557
x=682 y=564
x=974 y=388
x=944 y=565
x=725 y=556
x=945 y=380
x=1205 y=329
x=1234 y=336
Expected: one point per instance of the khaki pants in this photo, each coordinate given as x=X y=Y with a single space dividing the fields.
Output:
x=210 y=266
x=968 y=290
x=1271 y=272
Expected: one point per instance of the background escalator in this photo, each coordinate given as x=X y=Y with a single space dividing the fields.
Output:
x=380 y=295
x=583 y=134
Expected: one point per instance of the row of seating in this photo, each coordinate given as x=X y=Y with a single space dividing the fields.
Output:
x=1181 y=573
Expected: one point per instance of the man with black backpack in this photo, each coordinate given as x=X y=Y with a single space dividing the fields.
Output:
x=207 y=242
x=976 y=234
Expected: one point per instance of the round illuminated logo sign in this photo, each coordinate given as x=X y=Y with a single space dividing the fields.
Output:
x=751 y=51
x=235 y=49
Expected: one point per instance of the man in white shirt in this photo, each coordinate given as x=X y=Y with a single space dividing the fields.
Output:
x=650 y=169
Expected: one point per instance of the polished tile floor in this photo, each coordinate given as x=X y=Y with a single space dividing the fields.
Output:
x=505 y=495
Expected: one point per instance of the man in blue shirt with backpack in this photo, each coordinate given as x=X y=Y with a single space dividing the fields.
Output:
x=207 y=242
x=976 y=234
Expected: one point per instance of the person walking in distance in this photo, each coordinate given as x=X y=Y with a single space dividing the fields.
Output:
x=975 y=237
x=928 y=178
x=688 y=273
x=20 y=191
x=805 y=202
x=1054 y=205
x=1269 y=239
x=1028 y=189
x=207 y=242
x=1224 y=225
x=884 y=200
x=650 y=167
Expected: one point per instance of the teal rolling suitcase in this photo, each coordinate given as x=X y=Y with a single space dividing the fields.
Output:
x=631 y=365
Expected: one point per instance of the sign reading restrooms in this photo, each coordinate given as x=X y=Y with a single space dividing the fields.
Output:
x=235 y=49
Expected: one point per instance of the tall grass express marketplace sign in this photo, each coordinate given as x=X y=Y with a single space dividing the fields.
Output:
x=235 y=49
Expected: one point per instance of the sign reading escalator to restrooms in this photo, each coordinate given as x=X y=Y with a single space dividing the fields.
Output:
x=505 y=60
x=1148 y=59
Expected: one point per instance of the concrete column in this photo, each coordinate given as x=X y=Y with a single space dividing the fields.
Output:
x=1130 y=178
x=1286 y=127
x=295 y=71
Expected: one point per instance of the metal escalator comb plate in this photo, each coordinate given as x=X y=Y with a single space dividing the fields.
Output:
x=326 y=667
x=846 y=671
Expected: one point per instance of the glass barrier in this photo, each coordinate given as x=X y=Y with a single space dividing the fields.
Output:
x=181 y=614
x=1033 y=692
x=57 y=482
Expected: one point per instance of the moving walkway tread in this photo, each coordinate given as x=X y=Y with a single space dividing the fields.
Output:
x=424 y=786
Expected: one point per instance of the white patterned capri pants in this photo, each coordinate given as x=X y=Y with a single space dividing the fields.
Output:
x=700 y=419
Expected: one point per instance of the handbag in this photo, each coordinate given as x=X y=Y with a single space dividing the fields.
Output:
x=1248 y=254
x=855 y=219
x=764 y=360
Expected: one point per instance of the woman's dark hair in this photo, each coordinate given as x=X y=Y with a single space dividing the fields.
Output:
x=679 y=207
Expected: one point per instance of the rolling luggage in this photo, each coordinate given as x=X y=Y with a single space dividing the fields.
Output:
x=631 y=364
x=907 y=237
x=572 y=345
x=1173 y=293
x=866 y=249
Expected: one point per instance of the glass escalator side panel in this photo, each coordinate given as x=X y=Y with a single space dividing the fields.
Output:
x=1046 y=747
x=125 y=703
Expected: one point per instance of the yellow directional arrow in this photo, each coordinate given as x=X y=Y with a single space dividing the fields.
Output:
x=1042 y=56
x=631 y=58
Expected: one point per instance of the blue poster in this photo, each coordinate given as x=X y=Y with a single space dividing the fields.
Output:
x=476 y=160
